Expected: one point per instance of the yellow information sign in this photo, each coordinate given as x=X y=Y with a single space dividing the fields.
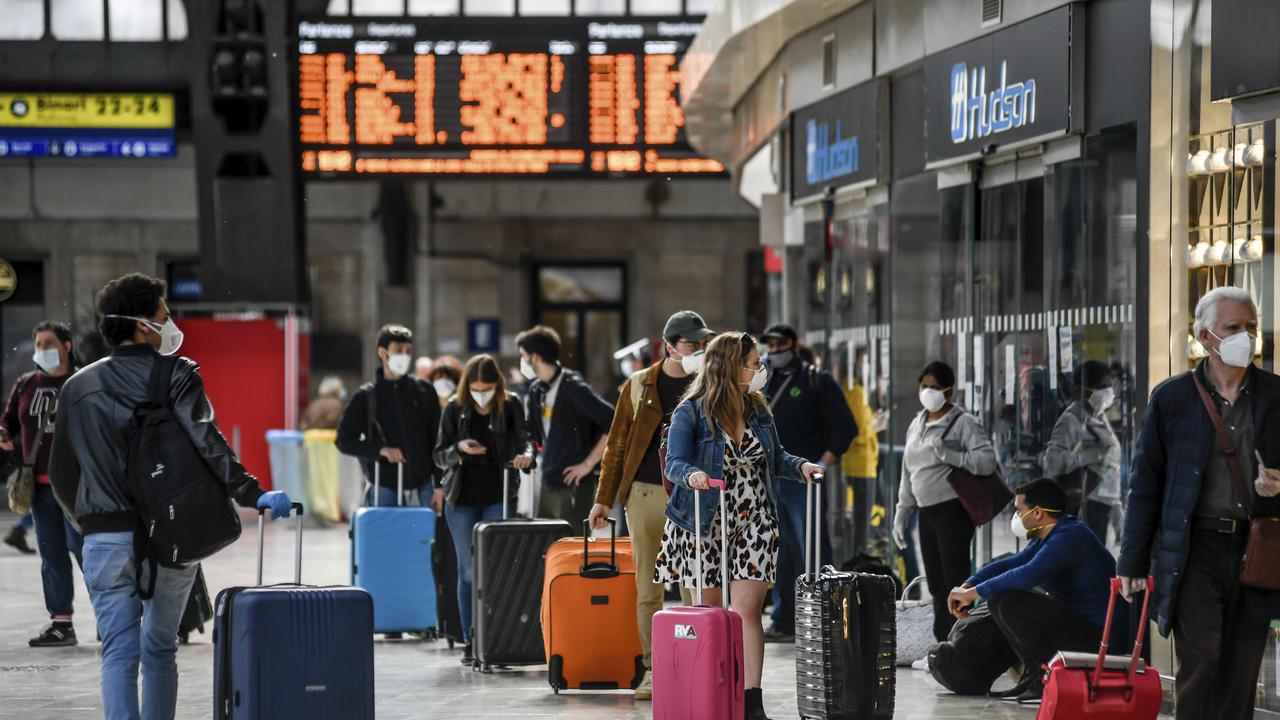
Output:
x=86 y=110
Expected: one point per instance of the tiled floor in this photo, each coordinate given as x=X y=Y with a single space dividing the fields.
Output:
x=414 y=679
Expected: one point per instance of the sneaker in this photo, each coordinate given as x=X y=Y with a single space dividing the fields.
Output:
x=17 y=539
x=921 y=664
x=467 y=657
x=55 y=636
x=644 y=691
x=773 y=635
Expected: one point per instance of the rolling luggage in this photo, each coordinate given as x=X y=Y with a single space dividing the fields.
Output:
x=974 y=655
x=292 y=651
x=508 y=563
x=444 y=566
x=199 y=609
x=1102 y=686
x=697 y=651
x=589 y=614
x=391 y=559
x=845 y=636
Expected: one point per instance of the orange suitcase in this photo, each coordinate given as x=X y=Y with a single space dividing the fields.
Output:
x=589 y=614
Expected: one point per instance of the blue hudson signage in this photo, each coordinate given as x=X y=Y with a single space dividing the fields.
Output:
x=1014 y=84
x=836 y=142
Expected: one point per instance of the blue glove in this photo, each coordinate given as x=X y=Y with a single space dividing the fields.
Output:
x=277 y=502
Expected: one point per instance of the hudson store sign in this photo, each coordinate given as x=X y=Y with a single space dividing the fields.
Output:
x=1016 y=84
x=836 y=141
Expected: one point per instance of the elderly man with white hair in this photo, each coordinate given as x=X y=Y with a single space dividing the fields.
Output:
x=1203 y=467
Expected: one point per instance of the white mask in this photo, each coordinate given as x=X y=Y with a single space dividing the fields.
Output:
x=692 y=364
x=399 y=364
x=444 y=387
x=526 y=369
x=170 y=335
x=483 y=397
x=758 y=380
x=48 y=360
x=932 y=399
x=1101 y=399
x=1017 y=527
x=1236 y=350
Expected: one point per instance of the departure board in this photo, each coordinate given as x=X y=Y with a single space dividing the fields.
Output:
x=550 y=97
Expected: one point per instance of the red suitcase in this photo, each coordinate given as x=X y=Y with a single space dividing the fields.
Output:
x=697 y=651
x=1104 y=687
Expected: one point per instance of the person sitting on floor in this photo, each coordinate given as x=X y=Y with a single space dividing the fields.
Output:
x=1066 y=560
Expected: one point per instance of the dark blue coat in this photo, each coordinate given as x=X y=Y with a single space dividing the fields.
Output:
x=1169 y=464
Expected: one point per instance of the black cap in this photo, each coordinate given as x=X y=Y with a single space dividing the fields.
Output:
x=687 y=325
x=781 y=331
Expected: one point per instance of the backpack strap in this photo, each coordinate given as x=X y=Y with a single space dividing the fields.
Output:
x=161 y=379
x=158 y=391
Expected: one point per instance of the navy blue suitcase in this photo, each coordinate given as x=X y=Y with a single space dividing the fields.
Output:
x=391 y=560
x=292 y=651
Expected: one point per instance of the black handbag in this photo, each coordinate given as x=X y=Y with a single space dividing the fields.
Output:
x=983 y=496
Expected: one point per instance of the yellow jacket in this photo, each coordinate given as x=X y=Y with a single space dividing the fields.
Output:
x=861 y=458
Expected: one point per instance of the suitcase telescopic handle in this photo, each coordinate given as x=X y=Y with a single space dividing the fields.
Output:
x=377 y=482
x=297 y=550
x=599 y=569
x=718 y=484
x=813 y=526
x=1138 y=638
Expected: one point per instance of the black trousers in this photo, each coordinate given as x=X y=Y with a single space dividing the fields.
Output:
x=1097 y=516
x=945 y=535
x=1219 y=646
x=1038 y=626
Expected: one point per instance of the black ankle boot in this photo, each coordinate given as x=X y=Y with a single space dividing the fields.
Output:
x=754 y=703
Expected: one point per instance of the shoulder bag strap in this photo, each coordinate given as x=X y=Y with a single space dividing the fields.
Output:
x=781 y=390
x=1224 y=442
x=950 y=425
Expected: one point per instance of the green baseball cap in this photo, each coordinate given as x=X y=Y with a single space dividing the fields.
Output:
x=688 y=325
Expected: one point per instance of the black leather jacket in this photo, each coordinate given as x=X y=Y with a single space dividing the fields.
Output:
x=509 y=442
x=87 y=466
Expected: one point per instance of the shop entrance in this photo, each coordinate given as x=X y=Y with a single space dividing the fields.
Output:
x=585 y=304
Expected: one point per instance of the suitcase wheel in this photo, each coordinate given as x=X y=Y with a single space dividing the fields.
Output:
x=555 y=673
x=451 y=639
x=184 y=637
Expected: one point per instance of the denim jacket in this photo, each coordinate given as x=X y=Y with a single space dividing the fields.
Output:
x=695 y=442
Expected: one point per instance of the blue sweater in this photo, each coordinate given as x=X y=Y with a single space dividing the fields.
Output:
x=1072 y=565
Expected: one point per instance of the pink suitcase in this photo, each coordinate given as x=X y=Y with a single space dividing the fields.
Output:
x=697 y=651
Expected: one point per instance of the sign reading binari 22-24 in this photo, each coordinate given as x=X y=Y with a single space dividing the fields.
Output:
x=1013 y=85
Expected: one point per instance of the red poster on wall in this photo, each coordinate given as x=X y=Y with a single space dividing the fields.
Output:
x=242 y=362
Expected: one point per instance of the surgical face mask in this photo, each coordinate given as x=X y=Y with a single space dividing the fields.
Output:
x=932 y=399
x=781 y=358
x=526 y=369
x=483 y=397
x=1101 y=399
x=758 y=380
x=1236 y=350
x=399 y=364
x=170 y=335
x=444 y=387
x=48 y=360
x=692 y=364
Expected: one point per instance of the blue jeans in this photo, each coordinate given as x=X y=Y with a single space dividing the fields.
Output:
x=25 y=522
x=133 y=630
x=55 y=538
x=387 y=496
x=791 y=504
x=461 y=519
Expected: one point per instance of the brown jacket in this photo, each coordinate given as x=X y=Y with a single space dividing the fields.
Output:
x=629 y=436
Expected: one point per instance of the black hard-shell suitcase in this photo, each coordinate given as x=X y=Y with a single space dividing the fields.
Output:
x=845 y=640
x=199 y=608
x=444 y=564
x=508 y=562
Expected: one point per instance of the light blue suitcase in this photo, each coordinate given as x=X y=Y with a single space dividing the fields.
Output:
x=391 y=560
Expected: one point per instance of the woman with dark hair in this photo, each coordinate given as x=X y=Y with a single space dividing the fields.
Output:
x=482 y=438
x=27 y=429
x=723 y=429
x=1083 y=453
x=942 y=437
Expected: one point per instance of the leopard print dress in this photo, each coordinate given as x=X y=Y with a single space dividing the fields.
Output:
x=753 y=526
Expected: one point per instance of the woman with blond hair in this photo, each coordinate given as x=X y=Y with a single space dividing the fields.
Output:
x=482 y=438
x=723 y=429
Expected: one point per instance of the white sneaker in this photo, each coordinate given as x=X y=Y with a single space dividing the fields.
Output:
x=644 y=691
x=921 y=664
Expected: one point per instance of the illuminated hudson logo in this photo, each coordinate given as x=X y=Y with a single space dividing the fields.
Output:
x=826 y=156
x=686 y=632
x=976 y=113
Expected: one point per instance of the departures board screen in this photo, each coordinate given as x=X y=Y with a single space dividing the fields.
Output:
x=547 y=97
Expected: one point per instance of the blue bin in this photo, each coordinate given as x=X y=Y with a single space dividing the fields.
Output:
x=288 y=463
